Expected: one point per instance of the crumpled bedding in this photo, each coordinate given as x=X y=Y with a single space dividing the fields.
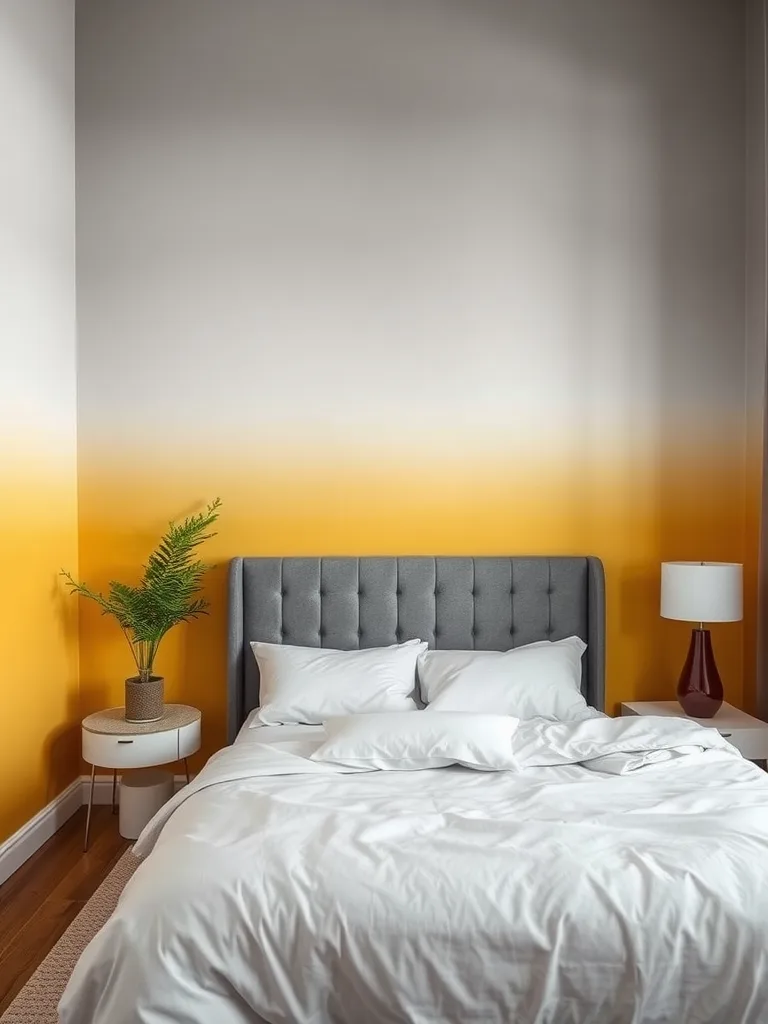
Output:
x=276 y=889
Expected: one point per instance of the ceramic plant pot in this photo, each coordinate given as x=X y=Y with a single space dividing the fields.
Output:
x=144 y=700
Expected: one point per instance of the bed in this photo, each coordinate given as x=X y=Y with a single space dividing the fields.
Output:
x=278 y=889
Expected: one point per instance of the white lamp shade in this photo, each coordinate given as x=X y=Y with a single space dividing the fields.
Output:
x=701 y=591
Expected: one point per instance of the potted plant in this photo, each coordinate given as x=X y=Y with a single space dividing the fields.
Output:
x=166 y=595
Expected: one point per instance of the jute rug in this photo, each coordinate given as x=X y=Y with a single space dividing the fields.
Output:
x=37 y=1001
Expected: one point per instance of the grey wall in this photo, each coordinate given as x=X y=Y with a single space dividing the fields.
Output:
x=537 y=208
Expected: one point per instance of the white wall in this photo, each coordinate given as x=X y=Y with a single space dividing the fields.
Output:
x=37 y=224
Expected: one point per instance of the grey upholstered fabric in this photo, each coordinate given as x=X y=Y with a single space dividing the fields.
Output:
x=491 y=604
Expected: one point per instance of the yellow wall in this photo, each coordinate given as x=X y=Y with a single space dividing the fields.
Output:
x=631 y=515
x=39 y=734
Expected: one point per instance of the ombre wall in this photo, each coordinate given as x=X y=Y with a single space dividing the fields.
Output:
x=39 y=700
x=424 y=277
x=756 y=525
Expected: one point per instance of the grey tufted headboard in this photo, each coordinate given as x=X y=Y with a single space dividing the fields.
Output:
x=491 y=603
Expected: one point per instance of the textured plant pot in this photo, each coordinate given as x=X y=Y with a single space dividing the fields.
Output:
x=144 y=701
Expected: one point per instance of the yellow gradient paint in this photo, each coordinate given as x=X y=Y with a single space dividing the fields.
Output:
x=40 y=706
x=632 y=513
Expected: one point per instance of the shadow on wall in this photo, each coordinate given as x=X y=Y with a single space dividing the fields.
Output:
x=61 y=750
x=61 y=746
x=204 y=655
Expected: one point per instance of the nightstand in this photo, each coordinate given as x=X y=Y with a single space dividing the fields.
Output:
x=111 y=742
x=748 y=734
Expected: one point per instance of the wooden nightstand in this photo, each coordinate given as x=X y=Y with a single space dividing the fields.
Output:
x=748 y=734
x=111 y=742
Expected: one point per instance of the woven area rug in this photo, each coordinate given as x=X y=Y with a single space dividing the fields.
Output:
x=37 y=1001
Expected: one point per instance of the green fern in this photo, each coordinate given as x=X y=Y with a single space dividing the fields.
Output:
x=165 y=595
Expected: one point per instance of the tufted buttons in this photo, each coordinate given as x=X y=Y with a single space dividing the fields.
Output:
x=360 y=592
x=550 y=591
x=512 y=592
x=398 y=592
x=473 y=593
x=322 y=592
x=283 y=594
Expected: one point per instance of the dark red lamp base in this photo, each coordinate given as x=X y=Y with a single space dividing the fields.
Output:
x=700 y=690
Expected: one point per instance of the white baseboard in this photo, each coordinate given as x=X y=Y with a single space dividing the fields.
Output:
x=30 y=837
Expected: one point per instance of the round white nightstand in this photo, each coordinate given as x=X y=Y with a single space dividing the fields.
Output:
x=111 y=742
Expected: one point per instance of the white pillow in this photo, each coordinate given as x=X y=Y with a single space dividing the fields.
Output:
x=410 y=742
x=306 y=685
x=537 y=680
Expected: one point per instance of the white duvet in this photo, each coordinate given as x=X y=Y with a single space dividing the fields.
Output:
x=282 y=890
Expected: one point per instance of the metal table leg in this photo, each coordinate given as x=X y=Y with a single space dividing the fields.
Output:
x=114 y=788
x=186 y=769
x=90 y=807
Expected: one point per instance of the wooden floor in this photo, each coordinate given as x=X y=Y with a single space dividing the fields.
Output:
x=39 y=901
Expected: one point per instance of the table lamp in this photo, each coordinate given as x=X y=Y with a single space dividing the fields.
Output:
x=701 y=592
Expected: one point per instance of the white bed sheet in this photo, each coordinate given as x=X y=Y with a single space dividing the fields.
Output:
x=281 y=890
x=275 y=734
